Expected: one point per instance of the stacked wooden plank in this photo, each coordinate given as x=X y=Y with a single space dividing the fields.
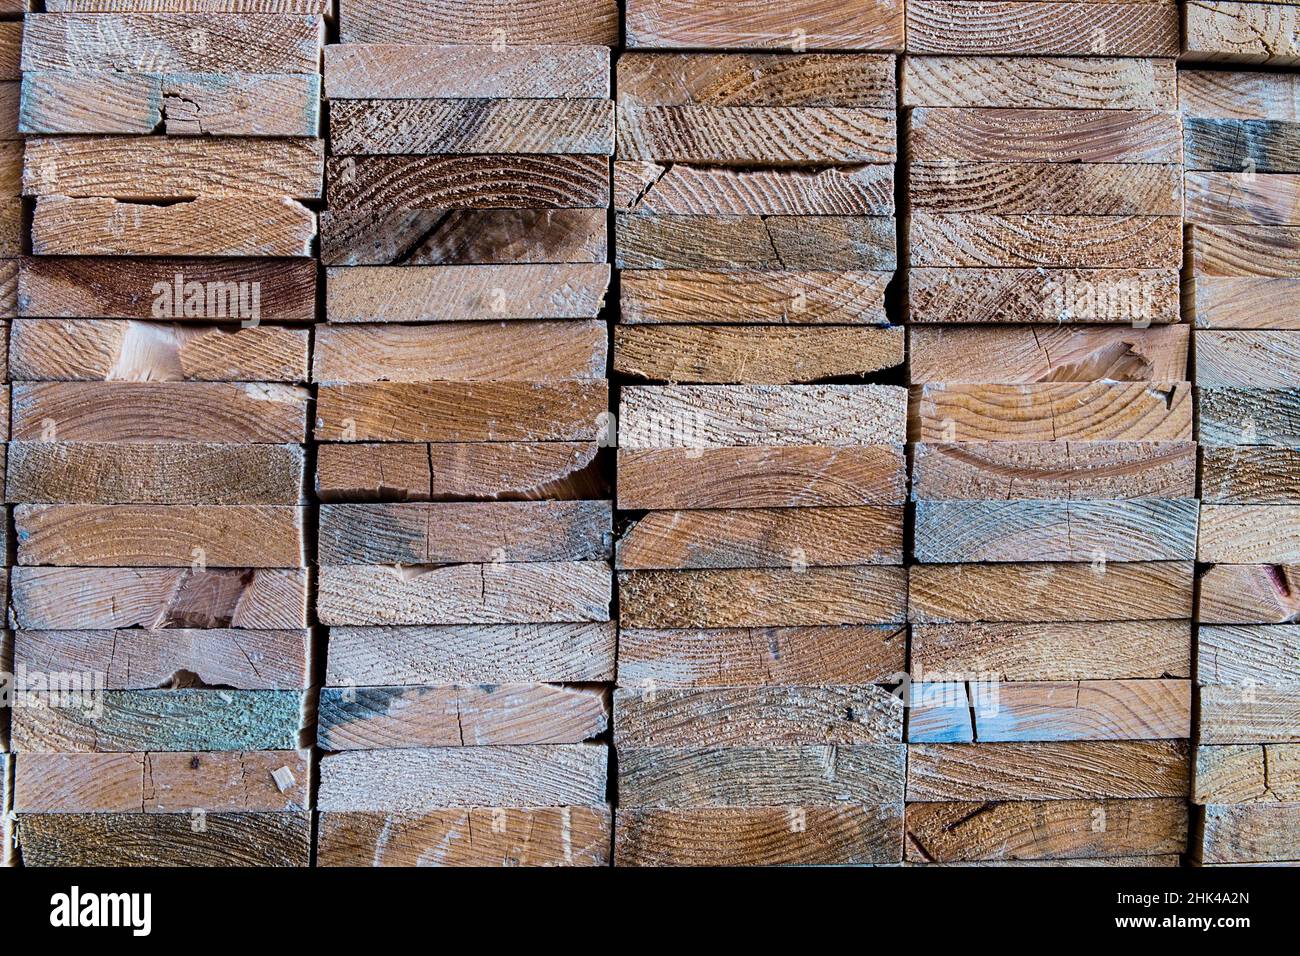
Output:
x=761 y=592
x=11 y=158
x=12 y=223
x=794 y=25
x=11 y=171
x=8 y=851
x=1242 y=156
x=1138 y=28
x=465 y=531
x=159 y=418
x=1053 y=468
x=1265 y=32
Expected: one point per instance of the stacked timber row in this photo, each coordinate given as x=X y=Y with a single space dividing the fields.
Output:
x=1264 y=32
x=465 y=528
x=12 y=221
x=1054 y=472
x=159 y=419
x=1242 y=155
x=762 y=596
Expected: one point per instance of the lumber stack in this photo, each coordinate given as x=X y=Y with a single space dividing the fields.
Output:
x=1242 y=156
x=12 y=222
x=1264 y=32
x=159 y=418
x=1010 y=584
x=1053 y=468
x=760 y=462
x=466 y=529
